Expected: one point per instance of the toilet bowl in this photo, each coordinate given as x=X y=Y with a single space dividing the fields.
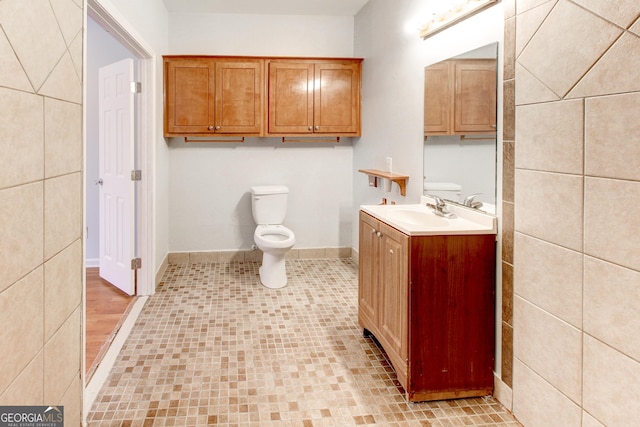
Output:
x=274 y=241
x=269 y=207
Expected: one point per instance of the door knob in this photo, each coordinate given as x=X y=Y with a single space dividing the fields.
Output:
x=98 y=181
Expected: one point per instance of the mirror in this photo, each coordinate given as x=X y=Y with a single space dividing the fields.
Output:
x=460 y=128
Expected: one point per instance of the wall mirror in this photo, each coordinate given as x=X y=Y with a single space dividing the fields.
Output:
x=460 y=128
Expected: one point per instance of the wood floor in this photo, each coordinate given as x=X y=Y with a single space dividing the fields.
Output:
x=106 y=308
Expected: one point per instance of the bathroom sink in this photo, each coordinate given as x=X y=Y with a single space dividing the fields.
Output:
x=420 y=220
x=418 y=217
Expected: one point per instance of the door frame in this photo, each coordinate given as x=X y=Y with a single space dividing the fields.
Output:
x=106 y=16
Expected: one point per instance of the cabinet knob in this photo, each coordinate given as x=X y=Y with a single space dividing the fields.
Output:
x=310 y=128
x=317 y=127
x=373 y=231
x=390 y=251
x=217 y=127
x=379 y=234
x=210 y=128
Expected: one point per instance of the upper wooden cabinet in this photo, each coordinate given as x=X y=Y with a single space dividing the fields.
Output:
x=460 y=97
x=314 y=96
x=209 y=95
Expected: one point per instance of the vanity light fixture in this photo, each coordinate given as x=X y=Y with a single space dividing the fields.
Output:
x=456 y=12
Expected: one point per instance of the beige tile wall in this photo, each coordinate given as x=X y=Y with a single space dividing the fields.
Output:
x=576 y=204
x=41 y=265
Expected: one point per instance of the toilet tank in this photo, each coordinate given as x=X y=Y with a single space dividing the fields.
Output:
x=269 y=204
x=444 y=190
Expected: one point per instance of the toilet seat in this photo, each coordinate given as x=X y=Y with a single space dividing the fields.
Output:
x=274 y=237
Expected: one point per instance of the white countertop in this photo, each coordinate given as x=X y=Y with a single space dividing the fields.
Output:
x=419 y=220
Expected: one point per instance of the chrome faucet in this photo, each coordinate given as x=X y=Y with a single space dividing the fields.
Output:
x=469 y=201
x=440 y=208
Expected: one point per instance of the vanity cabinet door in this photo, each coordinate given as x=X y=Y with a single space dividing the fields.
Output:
x=475 y=96
x=368 y=272
x=394 y=285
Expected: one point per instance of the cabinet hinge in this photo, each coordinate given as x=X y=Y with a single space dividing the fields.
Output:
x=136 y=87
x=136 y=263
x=136 y=175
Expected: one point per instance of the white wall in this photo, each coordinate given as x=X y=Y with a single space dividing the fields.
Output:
x=210 y=208
x=102 y=49
x=386 y=35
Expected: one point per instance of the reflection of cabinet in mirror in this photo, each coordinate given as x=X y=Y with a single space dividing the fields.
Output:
x=460 y=97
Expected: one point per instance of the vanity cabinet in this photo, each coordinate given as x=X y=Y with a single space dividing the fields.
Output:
x=314 y=96
x=460 y=97
x=429 y=301
x=207 y=96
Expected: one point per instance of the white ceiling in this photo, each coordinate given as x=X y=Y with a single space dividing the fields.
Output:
x=269 y=7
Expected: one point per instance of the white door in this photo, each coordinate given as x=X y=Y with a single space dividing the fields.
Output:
x=116 y=146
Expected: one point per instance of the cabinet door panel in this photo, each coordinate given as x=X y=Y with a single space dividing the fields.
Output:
x=394 y=298
x=189 y=92
x=290 y=97
x=368 y=272
x=475 y=96
x=238 y=97
x=337 y=98
x=437 y=99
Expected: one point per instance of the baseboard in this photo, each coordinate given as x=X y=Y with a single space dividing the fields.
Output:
x=92 y=262
x=161 y=270
x=503 y=393
x=254 y=255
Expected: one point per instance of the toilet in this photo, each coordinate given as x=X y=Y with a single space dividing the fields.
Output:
x=269 y=207
x=444 y=190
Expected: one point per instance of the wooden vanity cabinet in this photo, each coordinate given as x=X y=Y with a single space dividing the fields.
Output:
x=207 y=96
x=429 y=301
x=460 y=97
x=314 y=96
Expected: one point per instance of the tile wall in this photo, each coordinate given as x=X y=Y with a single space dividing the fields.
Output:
x=574 y=258
x=41 y=265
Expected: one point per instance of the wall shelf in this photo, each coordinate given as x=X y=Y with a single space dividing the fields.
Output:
x=399 y=179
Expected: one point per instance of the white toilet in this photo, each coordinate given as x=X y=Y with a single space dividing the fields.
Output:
x=269 y=207
x=444 y=190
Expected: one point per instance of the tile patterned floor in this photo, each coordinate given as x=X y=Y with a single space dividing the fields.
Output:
x=214 y=347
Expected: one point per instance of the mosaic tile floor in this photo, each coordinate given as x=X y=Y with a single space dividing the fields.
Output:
x=214 y=347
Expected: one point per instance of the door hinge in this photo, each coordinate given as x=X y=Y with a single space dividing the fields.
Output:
x=136 y=263
x=136 y=87
x=136 y=175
